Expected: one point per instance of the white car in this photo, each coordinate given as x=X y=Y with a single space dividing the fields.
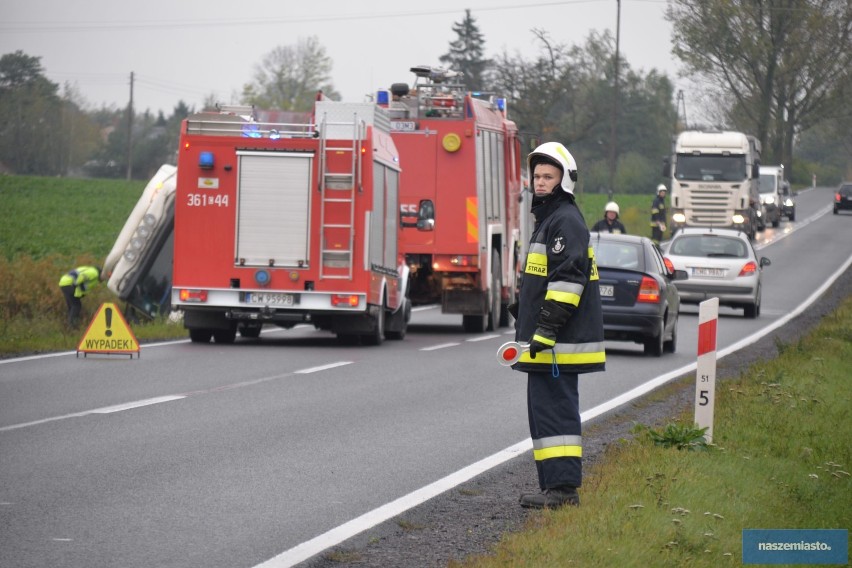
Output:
x=721 y=263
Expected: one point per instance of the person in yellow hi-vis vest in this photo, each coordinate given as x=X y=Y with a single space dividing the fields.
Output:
x=76 y=284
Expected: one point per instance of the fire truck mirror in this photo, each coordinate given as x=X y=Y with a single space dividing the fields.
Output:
x=426 y=215
x=426 y=225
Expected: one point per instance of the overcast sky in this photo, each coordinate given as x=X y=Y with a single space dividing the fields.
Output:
x=188 y=49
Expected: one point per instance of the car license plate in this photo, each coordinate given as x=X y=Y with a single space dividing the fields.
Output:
x=269 y=298
x=607 y=290
x=712 y=272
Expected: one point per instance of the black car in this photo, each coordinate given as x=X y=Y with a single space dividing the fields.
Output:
x=843 y=197
x=639 y=299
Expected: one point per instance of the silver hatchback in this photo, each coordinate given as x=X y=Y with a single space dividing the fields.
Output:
x=721 y=263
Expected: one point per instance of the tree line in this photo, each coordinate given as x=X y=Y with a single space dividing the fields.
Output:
x=778 y=69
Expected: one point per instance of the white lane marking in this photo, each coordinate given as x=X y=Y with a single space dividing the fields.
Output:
x=440 y=346
x=338 y=534
x=136 y=404
x=102 y=410
x=321 y=368
x=481 y=338
x=335 y=536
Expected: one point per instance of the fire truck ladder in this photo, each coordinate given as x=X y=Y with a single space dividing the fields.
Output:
x=337 y=189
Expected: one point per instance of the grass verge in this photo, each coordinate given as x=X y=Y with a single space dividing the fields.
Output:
x=780 y=460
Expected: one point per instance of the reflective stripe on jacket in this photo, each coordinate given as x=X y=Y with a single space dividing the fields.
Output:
x=560 y=266
x=82 y=277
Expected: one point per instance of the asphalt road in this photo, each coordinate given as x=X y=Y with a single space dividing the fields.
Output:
x=270 y=450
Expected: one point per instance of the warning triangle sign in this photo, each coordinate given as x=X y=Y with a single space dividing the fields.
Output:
x=108 y=332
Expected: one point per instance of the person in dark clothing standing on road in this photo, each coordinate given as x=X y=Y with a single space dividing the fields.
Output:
x=559 y=314
x=76 y=284
x=610 y=222
x=659 y=215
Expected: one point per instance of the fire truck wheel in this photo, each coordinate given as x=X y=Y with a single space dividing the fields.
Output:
x=473 y=324
x=200 y=335
x=494 y=315
x=225 y=335
x=377 y=336
x=250 y=331
x=398 y=322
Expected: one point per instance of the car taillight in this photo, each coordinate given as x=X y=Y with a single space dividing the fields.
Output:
x=669 y=265
x=837 y=196
x=344 y=300
x=193 y=295
x=749 y=269
x=649 y=291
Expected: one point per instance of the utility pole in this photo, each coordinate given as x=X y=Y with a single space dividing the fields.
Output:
x=130 y=131
x=613 y=123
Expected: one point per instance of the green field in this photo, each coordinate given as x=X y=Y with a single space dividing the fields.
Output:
x=50 y=225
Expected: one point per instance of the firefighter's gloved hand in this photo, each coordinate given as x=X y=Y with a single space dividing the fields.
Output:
x=513 y=309
x=543 y=339
x=551 y=317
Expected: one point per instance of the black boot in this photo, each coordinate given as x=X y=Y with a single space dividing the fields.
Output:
x=552 y=498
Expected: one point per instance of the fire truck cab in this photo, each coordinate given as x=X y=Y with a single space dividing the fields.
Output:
x=288 y=223
x=459 y=196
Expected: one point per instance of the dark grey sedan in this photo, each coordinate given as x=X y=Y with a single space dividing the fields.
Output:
x=639 y=299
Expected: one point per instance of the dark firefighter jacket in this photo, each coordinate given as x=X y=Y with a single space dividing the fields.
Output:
x=560 y=266
x=83 y=278
x=658 y=211
x=604 y=226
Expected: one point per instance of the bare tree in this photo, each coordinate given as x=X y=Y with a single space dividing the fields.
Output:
x=289 y=77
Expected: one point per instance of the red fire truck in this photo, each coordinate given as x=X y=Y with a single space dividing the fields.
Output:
x=289 y=223
x=458 y=196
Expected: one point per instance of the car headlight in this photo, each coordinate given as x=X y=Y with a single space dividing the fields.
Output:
x=679 y=218
x=788 y=202
x=770 y=200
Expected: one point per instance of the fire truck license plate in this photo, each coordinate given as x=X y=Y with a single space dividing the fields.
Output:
x=606 y=290
x=269 y=299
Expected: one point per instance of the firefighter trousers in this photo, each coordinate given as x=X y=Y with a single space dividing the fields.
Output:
x=553 y=407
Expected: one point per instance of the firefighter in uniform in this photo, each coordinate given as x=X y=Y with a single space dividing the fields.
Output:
x=610 y=222
x=76 y=284
x=659 y=215
x=559 y=314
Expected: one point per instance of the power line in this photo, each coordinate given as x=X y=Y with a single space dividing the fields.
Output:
x=135 y=25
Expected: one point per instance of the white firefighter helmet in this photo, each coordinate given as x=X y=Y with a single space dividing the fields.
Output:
x=612 y=206
x=557 y=154
x=660 y=188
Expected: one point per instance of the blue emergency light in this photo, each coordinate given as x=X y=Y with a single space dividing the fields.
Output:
x=205 y=160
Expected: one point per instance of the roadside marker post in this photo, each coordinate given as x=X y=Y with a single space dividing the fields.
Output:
x=705 y=375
